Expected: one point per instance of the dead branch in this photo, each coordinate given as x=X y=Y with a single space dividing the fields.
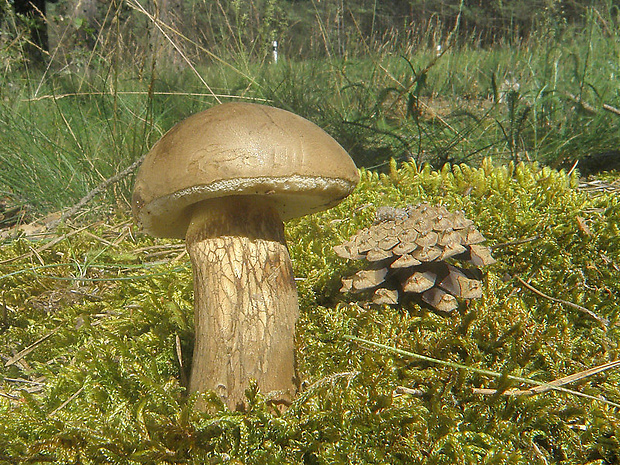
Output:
x=96 y=191
x=66 y=402
x=516 y=242
x=29 y=349
x=52 y=243
x=590 y=108
x=400 y=390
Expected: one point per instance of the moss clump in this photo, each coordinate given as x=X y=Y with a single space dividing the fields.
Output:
x=107 y=318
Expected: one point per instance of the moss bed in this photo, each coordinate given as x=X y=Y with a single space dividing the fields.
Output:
x=96 y=339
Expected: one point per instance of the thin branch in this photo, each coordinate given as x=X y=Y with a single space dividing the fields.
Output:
x=516 y=242
x=48 y=245
x=603 y=321
x=160 y=25
x=64 y=404
x=305 y=395
x=586 y=106
x=182 y=94
x=482 y=371
x=179 y=352
x=16 y=358
x=97 y=190
x=558 y=382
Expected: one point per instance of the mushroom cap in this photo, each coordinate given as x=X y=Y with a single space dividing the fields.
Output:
x=240 y=149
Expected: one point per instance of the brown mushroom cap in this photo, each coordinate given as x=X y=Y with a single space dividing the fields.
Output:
x=240 y=149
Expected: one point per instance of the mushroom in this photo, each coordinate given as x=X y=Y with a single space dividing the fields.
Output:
x=225 y=180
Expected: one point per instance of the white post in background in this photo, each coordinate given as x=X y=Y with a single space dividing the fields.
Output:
x=275 y=51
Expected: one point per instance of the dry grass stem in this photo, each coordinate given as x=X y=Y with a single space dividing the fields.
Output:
x=517 y=242
x=145 y=93
x=66 y=402
x=586 y=106
x=98 y=190
x=549 y=386
x=160 y=26
x=21 y=354
x=49 y=245
x=375 y=345
x=603 y=321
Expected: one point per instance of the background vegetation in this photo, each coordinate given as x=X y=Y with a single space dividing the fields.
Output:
x=96 y=320
x=541 y=86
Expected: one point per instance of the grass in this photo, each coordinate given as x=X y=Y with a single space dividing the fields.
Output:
x=512 y=102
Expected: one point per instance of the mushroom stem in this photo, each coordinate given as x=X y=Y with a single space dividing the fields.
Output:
x=245 y=300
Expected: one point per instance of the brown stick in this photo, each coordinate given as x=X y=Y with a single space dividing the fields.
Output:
x=16 y=358
x=586 y=106
x=52 y=243
x=66 y=402
x=525 y=392
x=96 y=191
x=517 y=242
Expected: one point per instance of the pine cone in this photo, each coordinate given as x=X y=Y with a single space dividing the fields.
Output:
x=422 y=250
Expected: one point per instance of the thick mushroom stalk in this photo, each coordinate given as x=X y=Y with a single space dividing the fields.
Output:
x=245 y=299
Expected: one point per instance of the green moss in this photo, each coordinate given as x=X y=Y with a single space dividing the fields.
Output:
x=119 y=325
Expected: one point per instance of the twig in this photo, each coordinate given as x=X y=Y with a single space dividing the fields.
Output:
x=177 y=346
x=400 y=390
x=183 y=94
x=165 y=248
x=558 y=382
x=97 y=190
x=52 y=243
x=507 y=392
x=16 y=358
x=591 y=108
x=331 y=378
x=25 y=381
x=9 y=396
x=100 y=239
x=590 y=313
x=516 y=242
x=598 y=185
x=61 y=406
x=305 y=395
x=178 y=257
x=482 y=371
x=160 y=25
